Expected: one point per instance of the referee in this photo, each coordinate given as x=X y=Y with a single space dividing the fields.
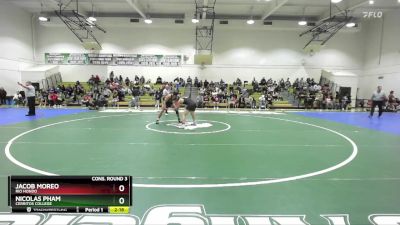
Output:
x=30 y=96
x=378 y=99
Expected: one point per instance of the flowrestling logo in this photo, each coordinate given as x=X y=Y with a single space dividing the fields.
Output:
x=183 y=215
x=372 y=14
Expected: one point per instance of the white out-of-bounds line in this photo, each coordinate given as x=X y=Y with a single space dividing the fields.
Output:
x=20 y=164
x=192 y=186
x=264 y=182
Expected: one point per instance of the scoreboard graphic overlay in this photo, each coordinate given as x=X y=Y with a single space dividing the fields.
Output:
x=70 y=194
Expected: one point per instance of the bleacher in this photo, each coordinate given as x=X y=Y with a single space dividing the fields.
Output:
x=148 y=101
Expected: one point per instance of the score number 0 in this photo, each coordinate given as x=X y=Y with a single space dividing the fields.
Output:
x=121 y=200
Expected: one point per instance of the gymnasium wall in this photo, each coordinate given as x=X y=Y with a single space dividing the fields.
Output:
x=15 y=45
x=245 y=52
x=382 y=55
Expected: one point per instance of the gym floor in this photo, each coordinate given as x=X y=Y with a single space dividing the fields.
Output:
x=275 y=163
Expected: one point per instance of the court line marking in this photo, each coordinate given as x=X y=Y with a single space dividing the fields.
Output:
x=264 y=182
x=191 y=186
x=20 y=164
x=188 y=133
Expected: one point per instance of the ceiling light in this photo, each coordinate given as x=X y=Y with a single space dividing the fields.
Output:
x=43 y=18
x=148 y=21
x=250 y=21
x=92 y=19
x=336 y=1
x=302 y=22
x=351 y=24
x=195 y=20
x=371 y=2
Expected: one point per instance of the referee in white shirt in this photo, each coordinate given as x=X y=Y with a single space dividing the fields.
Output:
x=30 y=96
x=378 y=99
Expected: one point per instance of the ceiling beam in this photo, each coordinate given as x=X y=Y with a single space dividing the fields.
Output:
x=205 y=5
x=68 y=5
x=53 y=4
x=327 y=15
x=134 y=4
x=278 y=5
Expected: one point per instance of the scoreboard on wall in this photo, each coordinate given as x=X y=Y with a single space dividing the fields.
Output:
x=70 y=194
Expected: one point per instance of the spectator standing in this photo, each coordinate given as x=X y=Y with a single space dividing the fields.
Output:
x=157 y=98
x=135 y=102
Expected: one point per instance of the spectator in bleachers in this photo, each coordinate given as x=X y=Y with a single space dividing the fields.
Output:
x=182 y=82
x=270 y=99
x=91 y=80
x=393 y=102
x=102 y=101
x=318 y=100
x=142 y=80
x=159 y=80
x=262 y=102
x=86 y=100
x=215 y=100
x=112 y=76
x=206 y=83
x=18 y=99
x=253 y=102
x=107 y=82
x=309 y=100
x=287 y=84
x=114 y=99
x=60 y=99
x=127 y=81
x=189 y=81
x=107 y=92
x=254 y=81
x=53 y=99
x=97 y=80
x=330 y=103
x=3 y=96
x=301 y=82
x=282 y=83
x=344 y=102
x=263 y=82
x=199 y=101
x=42 y=97
x=121 y=94
x=177 y=83
x=238 y=82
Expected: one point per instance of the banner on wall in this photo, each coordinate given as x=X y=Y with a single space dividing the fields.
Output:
x=112 y=59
